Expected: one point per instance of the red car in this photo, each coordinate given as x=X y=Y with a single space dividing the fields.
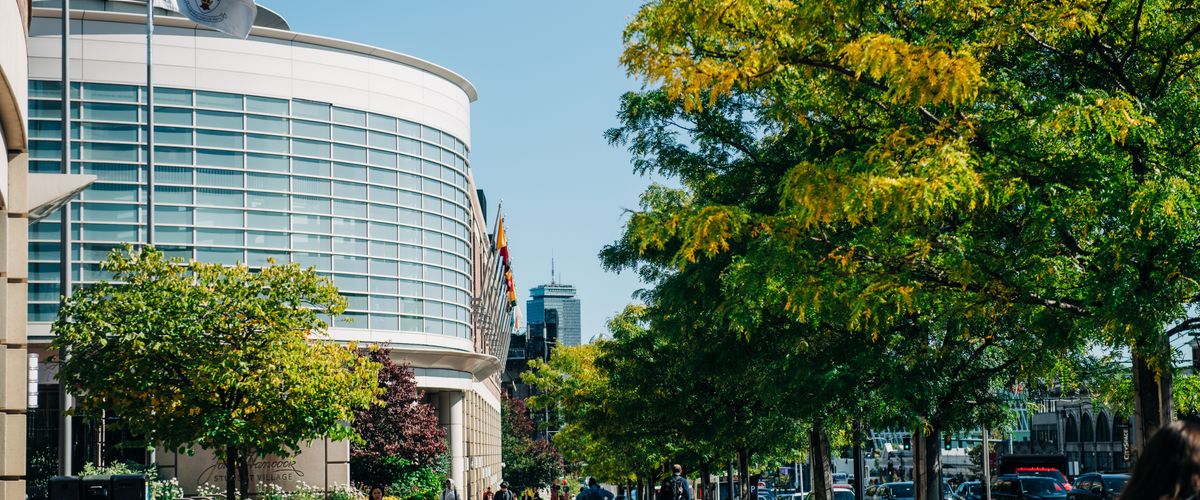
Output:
x=1049 y=472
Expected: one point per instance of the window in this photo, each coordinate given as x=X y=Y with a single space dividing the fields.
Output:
x=267 y=240
x=381 y=158
x=381 y=176
x=110 y=112
x=270 y=182
x=268 y=220
x=219 y=197
x=223 y=256
x=224 y=237
x=112 y=192
x=311 y=204
x=311 y=242
x=310 y=223
x=267 y=105
x=220 y=178
x=110 y=132
x=272 y=143
x=310 y=109
x=314 y=130
x=218 y=119
x=217 y=158
x=118 y=172
x=273 y=201
x=272 y=124
x=350 y=264
x=349 y=116
x=173 y=215
x=219 y=100
x=216 y=217
x=311 y=186
x=381 y=122
x=110 y=152
x=180 y=97
x=347 y=208
x=349 y=153
x=270 y=163
x=349 y=227
x=172 y=135
x=109 y=212
x=172 y=116
x=349 y=134
x=219 y=139
x=352 y=190
x=382 y=141
x=310 y=148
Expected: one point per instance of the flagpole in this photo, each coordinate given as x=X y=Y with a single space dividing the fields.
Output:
x=65 y=440
x=150 y=122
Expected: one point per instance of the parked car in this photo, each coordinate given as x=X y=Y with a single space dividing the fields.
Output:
x=1095 y=486
x=1049 y=472
x=895 y=491
x=970 y=490
x=1013 y=487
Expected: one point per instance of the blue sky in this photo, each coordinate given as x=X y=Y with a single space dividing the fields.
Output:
x=549 y=81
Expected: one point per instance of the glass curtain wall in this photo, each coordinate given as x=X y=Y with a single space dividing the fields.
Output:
x=378 y=203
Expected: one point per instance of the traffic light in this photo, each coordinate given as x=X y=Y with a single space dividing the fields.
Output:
x=946 y=442
x=907 y=442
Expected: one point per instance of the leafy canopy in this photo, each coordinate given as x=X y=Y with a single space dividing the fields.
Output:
x=225 y=358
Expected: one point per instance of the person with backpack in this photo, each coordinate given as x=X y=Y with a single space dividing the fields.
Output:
x=675 y=487
x=595 y=492
x=504 y=493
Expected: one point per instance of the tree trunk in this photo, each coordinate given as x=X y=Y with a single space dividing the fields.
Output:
x=244 y=474
x=1152 y=394
x=705 y=468
x=743 y=459
x=230 y=472
x=927 y=465
x=641 y=495
x=822 y=480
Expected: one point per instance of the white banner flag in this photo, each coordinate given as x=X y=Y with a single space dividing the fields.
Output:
x=233 y=17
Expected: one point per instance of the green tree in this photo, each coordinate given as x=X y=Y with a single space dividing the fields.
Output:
x=529 y=462
x=225 y=358
x=1035 y=157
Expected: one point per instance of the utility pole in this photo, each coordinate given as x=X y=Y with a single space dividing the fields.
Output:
x=859 y=481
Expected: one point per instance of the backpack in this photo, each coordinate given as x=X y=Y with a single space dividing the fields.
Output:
x=673 y=488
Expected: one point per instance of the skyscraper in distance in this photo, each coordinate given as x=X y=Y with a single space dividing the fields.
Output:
x=557 y=297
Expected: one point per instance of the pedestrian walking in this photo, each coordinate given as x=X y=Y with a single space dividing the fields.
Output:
x=504 y=493
x=583 y=492
x=595 y=492
x=1169 y=467
x=675 y=487
x=376 y=493
x=448 y=491
x=487 y=493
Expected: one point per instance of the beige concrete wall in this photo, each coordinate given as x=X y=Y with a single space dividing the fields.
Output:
x=13 y=251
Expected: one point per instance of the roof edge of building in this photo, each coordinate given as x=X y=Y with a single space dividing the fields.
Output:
x=334 y=43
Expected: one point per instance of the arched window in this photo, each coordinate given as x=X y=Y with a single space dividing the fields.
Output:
x=1086 y=431
x=1103 y=431
x=1072 y=430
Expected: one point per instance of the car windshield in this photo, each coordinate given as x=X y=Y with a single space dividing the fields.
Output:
x=969 y=488
x=1115 y=484
x=901 y=490
x=1037 y=485
x=843 y=495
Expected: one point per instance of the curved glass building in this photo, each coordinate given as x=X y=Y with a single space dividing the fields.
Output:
x=344 y=157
